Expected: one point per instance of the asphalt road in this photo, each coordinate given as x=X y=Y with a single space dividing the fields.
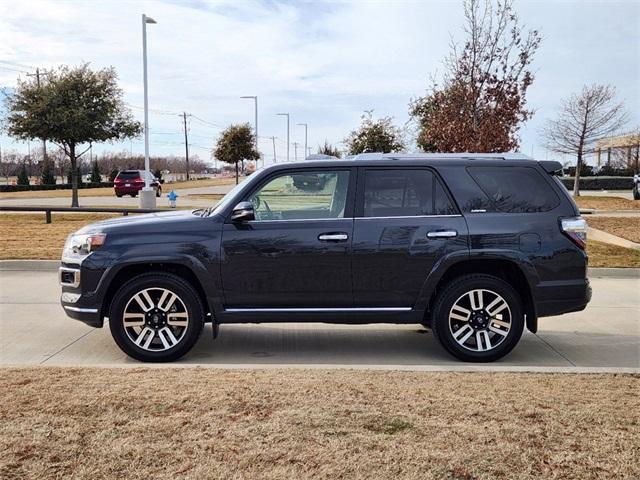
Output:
x=35 y=331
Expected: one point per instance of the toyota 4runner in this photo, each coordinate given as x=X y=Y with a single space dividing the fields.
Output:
x=474 y=246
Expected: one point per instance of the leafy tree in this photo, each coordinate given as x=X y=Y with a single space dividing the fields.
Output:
x=236 y=143
x=328 y=149
x=47 y=176
x=23 y=176
x=72 y=106
x=481 y=103
x=96 y=177
x=584 y=118
x=375 y=136
x=113 y=174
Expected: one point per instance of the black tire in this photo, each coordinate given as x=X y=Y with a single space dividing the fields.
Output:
x=457 y=290
x=188 y=297
x=119 y=196
x=636 y=193
x=158 y=192
x=134 y=195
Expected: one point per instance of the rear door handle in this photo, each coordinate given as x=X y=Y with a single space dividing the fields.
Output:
x=333 y=237
x=442 y=234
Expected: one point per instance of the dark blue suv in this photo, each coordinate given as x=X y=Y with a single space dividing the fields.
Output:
x=473 y=246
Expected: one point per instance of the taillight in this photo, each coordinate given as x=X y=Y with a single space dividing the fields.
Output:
x=576 y=229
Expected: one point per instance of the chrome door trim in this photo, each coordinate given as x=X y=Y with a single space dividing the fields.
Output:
x=313 y=309
x=409 y=216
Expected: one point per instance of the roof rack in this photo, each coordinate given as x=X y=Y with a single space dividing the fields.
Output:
x=440 y=156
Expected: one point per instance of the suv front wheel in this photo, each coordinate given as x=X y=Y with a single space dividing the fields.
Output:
x=478 y=318
x=156 y=317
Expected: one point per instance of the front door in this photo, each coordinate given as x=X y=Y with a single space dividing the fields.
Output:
x=405 y=223
x=296 y=253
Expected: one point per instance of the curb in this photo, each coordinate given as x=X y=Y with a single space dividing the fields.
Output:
x=29 y=265
x=52 y=265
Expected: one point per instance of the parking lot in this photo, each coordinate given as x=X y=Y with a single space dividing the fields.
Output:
x=605 y=337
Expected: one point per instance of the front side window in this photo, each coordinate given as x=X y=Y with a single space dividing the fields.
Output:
x=402 y=193
x=515 y=189
x=303 y=195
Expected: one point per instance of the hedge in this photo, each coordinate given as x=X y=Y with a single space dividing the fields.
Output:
x=600 y=183
x=60 y=186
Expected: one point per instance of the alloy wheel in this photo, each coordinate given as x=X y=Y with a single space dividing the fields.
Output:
x=480 y=320
x=155 y=319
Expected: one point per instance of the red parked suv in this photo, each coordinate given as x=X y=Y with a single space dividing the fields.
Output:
x=130 y=182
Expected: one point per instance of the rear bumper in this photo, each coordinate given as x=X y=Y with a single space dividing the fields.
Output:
x=556 y=298
x=127 y=190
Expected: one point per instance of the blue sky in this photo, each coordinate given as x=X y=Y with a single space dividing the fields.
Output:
x=324 y=63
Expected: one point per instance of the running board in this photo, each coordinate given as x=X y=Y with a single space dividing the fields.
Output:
x=318 y=310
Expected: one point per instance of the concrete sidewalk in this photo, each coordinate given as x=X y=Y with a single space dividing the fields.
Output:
x=606 y=337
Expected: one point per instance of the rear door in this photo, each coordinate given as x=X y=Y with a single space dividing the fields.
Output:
x=405 y=223
x=297 y=252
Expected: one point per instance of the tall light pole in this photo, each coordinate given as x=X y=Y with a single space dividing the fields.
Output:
x=287 y=115
x=255 y=104
x=306 y=126
x=147 y=200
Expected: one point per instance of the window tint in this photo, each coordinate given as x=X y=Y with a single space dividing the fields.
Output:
x=397 y=193
x=515 y=189
x=302 y=195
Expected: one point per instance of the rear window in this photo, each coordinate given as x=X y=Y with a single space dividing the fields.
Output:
x=129 y=175
x=400 y=193
x=515 y=189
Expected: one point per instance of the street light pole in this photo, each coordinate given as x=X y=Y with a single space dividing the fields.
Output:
x=287 y=115
x=305 y=138
x=255 y=100
x=146 y=199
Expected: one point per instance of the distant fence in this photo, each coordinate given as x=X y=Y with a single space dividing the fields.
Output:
x=47 y=210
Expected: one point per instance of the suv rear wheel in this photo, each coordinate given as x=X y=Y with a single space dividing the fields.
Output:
x=478 y=318
x=156 y=317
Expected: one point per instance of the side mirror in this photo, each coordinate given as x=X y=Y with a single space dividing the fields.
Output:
x=243 y=212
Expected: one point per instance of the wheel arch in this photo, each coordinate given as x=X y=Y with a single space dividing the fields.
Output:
x=132 y=270
x=507 y=269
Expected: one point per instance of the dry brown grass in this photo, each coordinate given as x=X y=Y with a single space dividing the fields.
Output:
x=213 y=197
x=204 y=423
x=27 y=236
x=108 y=192
x=607 y=255
x=606 y=203
x=625 y=227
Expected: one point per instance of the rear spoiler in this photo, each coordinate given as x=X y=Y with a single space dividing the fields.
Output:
x=551 y=167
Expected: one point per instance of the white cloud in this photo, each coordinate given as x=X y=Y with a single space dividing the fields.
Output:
x=323 y=62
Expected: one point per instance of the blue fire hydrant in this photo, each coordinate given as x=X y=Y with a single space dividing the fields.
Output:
x=172 y=196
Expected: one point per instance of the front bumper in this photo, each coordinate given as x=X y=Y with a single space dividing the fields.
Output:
x=78 y=304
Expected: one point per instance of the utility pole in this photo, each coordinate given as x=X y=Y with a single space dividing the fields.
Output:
x=273 y=139
x=44 y=142
x=305 y=138
x=147 y=195
x=288 y=144
x=295 y=149
x=186 y=142
x=308 y=151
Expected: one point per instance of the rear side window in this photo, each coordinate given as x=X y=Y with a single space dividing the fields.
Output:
x=404 y=193
x=129 y=175
x=515 y=189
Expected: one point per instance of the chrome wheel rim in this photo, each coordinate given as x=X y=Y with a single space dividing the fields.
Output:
x=480 y=320
x=155 y=319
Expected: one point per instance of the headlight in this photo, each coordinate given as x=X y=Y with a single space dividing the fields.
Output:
x=79 y=246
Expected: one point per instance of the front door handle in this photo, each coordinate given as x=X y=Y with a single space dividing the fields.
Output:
x=442 y=234
x=333 y=237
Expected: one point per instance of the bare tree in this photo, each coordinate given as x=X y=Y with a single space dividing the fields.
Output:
x=583 y=119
